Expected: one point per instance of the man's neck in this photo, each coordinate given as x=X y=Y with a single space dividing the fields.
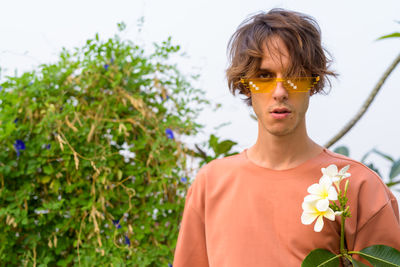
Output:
x=283 y=152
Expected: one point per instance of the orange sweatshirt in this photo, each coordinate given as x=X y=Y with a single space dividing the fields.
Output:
x=239 y=214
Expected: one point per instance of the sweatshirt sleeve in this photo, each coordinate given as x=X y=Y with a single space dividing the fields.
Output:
x=374 y=212
x=191 y=247
x=382 y=228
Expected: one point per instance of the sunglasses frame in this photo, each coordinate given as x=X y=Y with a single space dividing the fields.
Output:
x=251 y=84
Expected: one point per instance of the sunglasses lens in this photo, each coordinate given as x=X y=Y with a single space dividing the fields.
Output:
x=260 y=86
x=303 y=84
x=264 y=86
x=294 y=84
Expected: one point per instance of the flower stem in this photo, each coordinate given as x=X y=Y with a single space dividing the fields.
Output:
x=343 y=249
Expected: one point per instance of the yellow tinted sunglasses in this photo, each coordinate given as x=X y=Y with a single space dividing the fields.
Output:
x=291 y=84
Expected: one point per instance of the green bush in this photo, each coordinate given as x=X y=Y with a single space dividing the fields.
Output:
x=91 y=170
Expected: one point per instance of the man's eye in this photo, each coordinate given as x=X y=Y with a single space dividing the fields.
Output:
x=265 y=75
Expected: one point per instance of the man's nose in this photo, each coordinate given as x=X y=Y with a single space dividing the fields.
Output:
x=280 y=94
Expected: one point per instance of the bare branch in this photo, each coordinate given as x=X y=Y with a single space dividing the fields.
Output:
x=366 y=104
x=203 y=154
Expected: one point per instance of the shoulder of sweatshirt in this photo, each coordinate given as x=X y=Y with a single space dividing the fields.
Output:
x=218 y=167
x=363 y=181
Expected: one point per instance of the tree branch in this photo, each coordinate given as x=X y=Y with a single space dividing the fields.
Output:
x=366 y=104
x=202 y=153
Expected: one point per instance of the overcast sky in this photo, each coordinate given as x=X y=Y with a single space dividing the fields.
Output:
x=33 y=32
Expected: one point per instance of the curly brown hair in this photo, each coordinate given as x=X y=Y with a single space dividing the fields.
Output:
x=299 y=32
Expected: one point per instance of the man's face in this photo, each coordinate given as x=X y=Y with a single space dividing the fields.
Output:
x=279 y=113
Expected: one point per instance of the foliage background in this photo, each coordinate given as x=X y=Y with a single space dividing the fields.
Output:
x=92 y=170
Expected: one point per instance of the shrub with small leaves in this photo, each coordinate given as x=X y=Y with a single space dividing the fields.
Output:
x=92 y=169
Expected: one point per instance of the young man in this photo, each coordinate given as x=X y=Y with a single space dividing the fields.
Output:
x=245 y=210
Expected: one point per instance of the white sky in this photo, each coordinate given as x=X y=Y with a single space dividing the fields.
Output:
x=33 y=32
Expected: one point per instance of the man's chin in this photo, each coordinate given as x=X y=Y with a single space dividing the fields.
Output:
x=280 y=132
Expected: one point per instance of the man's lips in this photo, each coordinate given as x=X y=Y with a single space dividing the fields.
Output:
x=280 y=110
x=280 y=113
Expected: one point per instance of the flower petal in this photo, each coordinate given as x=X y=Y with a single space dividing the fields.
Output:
x=308 y=206
x=314 y=189
x=332 y=194
x=169 y=133
x=307 y=217
x=336 y=179
x=127 y=240
x=325 y=181
x=311 y=198
x=331 y=170
x=319 y=224
x=322 y=204
x=329 y=214
x=344 y=169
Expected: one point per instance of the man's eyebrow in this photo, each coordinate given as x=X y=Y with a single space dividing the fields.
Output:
x=266 y=70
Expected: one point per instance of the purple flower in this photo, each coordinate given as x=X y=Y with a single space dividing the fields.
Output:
x=169 y=265
x=48 y=146
x=166 y=97
x=19 y=145
x=127 y=241
x=112 y=60
x=116 y=224
x=106 y=66
x=169 y=133
x=1 y=87
x=16 y=120
x=183 y=179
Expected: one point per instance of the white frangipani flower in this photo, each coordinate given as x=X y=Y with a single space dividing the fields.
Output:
x=321 y=193
x=336 y=176
x=311 y=212
x=316 y=204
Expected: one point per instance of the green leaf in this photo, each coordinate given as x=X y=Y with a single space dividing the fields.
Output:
x=119 y=174
x=386 y=156
x=342 y=150
x=381 y=256
x=389 y=184
x=365 y=156
x=121 y=26
x=357 y=263
x=224 y=147
x=395 y=170
x=253 y=117
x=45 y=179
x=392 y=35
x=213 y=142
x=48 y=169
x=321 y=258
